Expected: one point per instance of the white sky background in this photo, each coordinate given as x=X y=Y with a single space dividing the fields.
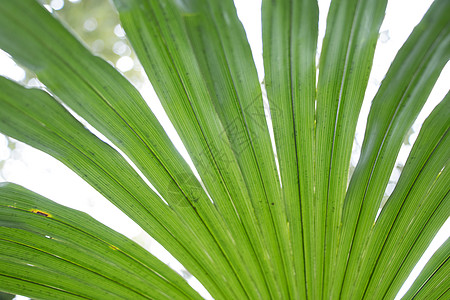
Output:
x=41 y=173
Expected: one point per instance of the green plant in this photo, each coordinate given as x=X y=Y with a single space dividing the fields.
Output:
x=248 y=236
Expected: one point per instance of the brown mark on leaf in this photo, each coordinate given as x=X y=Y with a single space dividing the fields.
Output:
x=40 y=212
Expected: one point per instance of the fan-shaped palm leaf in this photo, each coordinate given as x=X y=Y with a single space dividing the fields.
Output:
x=246 y=231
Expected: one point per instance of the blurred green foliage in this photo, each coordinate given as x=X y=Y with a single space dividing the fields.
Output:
x=96 y=23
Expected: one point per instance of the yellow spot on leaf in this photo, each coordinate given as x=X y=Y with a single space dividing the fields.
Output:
x=113 y=247
x=40 y=212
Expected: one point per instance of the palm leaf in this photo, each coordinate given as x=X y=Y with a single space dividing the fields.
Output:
x=243 y=229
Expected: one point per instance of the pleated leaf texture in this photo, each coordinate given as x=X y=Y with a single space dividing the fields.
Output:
x=251 y=224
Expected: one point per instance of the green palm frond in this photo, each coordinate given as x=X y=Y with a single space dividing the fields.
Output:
x=252 y=224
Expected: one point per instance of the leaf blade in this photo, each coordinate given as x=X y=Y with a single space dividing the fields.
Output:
x=421 y=174
x=54 y=238
x=289 y=44
x=102 y=167
x=432 y=282
x=394 y=108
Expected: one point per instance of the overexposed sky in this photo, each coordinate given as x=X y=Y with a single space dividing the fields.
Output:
x=41 y=173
